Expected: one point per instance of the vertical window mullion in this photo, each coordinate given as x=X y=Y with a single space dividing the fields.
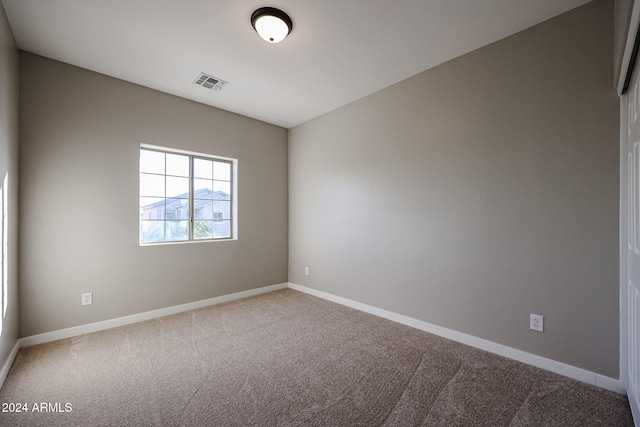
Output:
x=192 y=223
x=231 y=201
x=164 y=210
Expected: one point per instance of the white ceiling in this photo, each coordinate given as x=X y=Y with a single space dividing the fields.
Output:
x=338 y=51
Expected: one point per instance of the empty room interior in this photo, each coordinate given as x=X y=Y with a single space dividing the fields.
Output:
x=402 y=213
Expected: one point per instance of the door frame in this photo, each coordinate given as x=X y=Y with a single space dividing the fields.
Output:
x=629 y=60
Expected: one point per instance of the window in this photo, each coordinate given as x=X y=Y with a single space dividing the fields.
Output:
x=185 y=197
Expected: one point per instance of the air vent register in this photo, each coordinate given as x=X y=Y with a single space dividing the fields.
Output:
x=210 y=82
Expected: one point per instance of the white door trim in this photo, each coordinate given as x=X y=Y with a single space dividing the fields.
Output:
x=625 y=72
x=623 y=242
x=628 y=334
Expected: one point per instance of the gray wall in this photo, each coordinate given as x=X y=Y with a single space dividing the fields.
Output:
x=80 y=137
x=9 y=167
x=475 y=193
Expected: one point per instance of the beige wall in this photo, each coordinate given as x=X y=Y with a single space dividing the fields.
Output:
x=80 y=136
x=9 y=167
x=475 y=193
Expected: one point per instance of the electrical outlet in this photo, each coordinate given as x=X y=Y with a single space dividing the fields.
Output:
x=536 y=322
x=87 y=298
x=306 y=271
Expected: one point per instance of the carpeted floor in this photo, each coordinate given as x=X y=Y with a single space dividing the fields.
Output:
x=288 y=359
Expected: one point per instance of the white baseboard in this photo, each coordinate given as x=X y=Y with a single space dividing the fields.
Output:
x=519 y=355
x=7 y=363
x=502 y=350
x=126 y=320
x=134 y=318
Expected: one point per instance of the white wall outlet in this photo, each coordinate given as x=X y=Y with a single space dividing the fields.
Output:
x=87 y=298
x=306 y=271
x=536 y=322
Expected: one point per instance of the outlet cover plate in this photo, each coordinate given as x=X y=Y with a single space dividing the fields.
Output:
x=87 y=298
x=536 y=322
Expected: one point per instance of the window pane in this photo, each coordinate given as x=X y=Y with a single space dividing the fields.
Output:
x=151 y=185
x=151 y=208
x=203 y=188
x=202 y=168
x=151 y=231
x=177 y=230
x=177 y=165
x=223 y=207
x=203 y=209
x=222 y=171
x=177 y=187
x=179 y=208
x=151 y=161
x=221 y=190
x=221 y=229
x=203 y=229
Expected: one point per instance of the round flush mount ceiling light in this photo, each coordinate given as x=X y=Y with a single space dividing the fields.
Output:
x=272 y=24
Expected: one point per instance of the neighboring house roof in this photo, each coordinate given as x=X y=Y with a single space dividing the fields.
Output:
x=203 y=193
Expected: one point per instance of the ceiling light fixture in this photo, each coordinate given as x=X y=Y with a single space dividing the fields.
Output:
x=272 y=24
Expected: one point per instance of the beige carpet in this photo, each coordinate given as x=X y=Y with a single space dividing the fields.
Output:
x=289 y=359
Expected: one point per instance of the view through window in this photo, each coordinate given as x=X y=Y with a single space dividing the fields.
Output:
x=185 y=197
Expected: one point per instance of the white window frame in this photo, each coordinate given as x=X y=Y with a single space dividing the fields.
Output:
x=191 y=206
